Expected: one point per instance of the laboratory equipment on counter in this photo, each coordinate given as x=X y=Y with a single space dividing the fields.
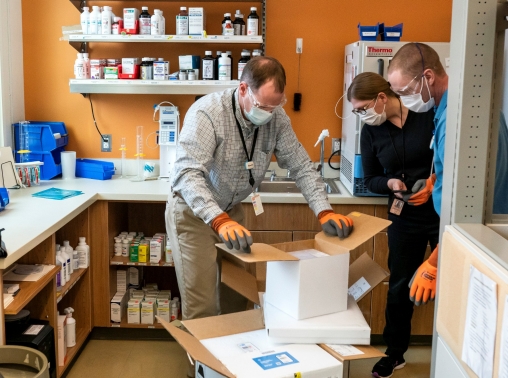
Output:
x=139 y=155
x=366 y=56
x=330 y=185
x=169 y=125
x=123 y=148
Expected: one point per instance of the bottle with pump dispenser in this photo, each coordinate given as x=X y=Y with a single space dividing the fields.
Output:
x=253 y=22
x=83 y=253
x=63 y=263
x=68 y=251
x=85 y=20
x=224 y=67
x=67 y=259
x=145 y=21
x=70 y=327
x=182 y=22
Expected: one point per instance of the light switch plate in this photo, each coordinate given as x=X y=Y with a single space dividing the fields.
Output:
x=335 y=144
x=106 y=143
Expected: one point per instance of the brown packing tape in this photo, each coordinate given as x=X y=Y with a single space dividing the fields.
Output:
x=224 y=325
x=365 y=267
x=368 y=352
x=239 y=280
x=195 y=349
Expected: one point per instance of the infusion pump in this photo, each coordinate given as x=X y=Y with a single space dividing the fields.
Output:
x=169 y=125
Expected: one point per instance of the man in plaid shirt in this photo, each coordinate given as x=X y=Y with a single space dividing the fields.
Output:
x=222 y=132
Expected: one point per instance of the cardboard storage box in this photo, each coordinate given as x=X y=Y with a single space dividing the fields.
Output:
x=304 y=288
x=236 y=345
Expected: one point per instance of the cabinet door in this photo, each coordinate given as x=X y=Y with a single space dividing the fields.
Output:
x=304 y=235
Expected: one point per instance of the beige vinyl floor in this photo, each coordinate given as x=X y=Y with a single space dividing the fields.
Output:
x=140 y=359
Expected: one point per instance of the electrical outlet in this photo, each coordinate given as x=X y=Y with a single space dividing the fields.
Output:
x=299 y=45
x=335 y=144
x=106 y=143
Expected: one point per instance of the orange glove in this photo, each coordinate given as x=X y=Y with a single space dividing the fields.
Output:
x=232 y=233
x=422 y=190
x=423 y=284
x=335 y=224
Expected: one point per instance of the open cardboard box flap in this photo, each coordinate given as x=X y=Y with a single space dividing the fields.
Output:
x=259 y=252
x=365 y=267
x=368 y=352
x=240 y=280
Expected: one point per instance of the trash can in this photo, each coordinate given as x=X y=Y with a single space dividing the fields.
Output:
x=18 y=361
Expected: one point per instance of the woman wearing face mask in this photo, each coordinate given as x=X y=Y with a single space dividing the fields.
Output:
x=395 y=155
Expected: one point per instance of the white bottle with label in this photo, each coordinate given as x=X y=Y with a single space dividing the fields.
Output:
x=106 y=20
x=79 y=67
x=70 y=327
x=86 y=65
x=75 y=260
x=63 y=264
x=94 y=20
x=118 y=246
x=85 y=20
x=224 y=67
x=155 y=23
x=83 y=253
x=162 y=24
x=68 y=251
x=68 y=263
x=59 y=274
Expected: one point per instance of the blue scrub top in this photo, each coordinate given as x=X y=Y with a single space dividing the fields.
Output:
x=439 y=150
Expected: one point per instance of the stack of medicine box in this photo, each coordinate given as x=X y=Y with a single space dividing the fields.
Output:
x=145 y=304
x=44 y=141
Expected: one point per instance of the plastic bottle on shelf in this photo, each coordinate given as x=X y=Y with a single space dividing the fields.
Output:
x=67 y=258
x=182 y=22
x=239 y=24
x=144 y=21
x=230 y=55
x=70 y=327
x=68 y=251
x=253 y=22
x=216 y=66
x=118 y=246
x=163 y=23
x=125 y=248
x=155 y=23
x=106 y=20
x=59 y=274
x=117 y=26
x=86 y=65
x=79 y=67
x=95 y=16
x=227 y=17
x=83 y=253
x=242 y=62
x=256 y=53
x=208 y=66
x=63 y=270
x=228 y=28
x=224 y=67
x=75 y=260
x=85 y=20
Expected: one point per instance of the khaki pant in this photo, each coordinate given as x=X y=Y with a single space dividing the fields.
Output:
x=197 y=263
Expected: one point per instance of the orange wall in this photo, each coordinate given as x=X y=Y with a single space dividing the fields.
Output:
x=326 y=26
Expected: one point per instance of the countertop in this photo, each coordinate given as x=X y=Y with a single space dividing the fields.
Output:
x=29 y=220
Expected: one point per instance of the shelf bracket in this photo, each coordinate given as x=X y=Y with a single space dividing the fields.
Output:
x=81 y=47
x=79 y=4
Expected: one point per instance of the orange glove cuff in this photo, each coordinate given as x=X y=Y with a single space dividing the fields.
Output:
x=324 y=213
x=219 y=220
x=434 y=256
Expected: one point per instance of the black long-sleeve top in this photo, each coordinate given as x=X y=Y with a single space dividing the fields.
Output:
x=387 y=148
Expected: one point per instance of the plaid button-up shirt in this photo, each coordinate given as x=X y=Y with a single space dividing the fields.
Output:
x=209 y=172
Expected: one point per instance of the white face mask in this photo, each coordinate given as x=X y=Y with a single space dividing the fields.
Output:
x=258 y=116
x=372 y=118
x=415 y=102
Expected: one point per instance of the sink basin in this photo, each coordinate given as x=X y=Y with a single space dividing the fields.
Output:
x=289 y=186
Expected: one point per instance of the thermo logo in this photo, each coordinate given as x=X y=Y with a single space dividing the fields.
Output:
x=379 y=51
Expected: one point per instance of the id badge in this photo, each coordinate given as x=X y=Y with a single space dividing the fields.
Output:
x=249 y=165
x=397 y=206
x=257 y=204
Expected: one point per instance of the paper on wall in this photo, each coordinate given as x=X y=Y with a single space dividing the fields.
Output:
x=503 y=358
x=358 y=288
x=345 y=350
x=480 y=328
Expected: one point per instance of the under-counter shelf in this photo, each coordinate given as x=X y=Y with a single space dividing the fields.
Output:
x=81 y=336
x=122 y=260
x=192 y=87
x=128 y=38
x=124 y=324
x=75 y=276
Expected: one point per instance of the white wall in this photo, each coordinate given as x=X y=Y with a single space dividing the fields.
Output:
x=12 y=102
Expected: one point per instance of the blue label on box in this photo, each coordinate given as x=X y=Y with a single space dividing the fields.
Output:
x=273 y=361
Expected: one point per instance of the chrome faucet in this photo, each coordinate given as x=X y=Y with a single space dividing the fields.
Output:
x=273 y=175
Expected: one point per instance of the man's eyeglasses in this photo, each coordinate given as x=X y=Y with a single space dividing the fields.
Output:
x=268 y=108
x=413 y=87
x=362 y=111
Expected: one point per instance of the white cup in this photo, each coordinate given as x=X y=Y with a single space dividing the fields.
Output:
x=68 y=159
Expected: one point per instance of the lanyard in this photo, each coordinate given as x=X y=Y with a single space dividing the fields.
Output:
x=249 y=158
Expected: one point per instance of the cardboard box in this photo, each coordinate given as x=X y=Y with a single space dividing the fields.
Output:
x=163 y=309
x=121 y=280
x=312 y=288
x=197 y=21
x=148 y=310
x=62 y=339
x=134 y=311
x=236 y=345
x=133 y=276
x=131 y=20
x=155 y=244
x=128 y=65
x=118 y=303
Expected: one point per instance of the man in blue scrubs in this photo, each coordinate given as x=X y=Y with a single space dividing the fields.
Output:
x=417 y=75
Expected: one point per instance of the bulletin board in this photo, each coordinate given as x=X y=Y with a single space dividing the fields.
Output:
x=457 y=255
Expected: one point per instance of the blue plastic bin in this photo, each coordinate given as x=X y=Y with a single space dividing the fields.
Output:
x=391 y=33
x=52 y=162
x=94 y=169
x=369 y=33
x=40 y=135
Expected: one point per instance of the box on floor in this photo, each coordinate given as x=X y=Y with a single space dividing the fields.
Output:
x=236 y=345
